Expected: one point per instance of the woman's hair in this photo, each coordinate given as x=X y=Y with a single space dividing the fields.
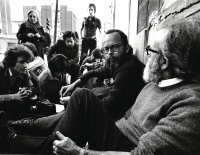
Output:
x=68 y=34
x=94 y=6
x=35 y=11
x=182 y=48
x=13 y=52
x=32 y=48
x=58 y=62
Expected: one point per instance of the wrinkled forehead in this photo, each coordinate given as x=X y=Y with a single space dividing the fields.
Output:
x=158 y=37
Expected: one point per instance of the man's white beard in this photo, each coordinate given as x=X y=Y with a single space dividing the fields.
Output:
x=152 y=72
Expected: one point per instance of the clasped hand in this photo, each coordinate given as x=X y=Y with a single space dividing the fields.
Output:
x=31 y=35
x=23 y=93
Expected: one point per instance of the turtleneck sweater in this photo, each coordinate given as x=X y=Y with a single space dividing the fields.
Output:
x=165 y=120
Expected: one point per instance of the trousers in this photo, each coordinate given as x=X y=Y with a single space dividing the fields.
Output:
x=84 y=120
x=73 y=71
x=87 y=44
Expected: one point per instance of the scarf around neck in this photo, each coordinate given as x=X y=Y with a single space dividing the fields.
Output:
x=33 y=26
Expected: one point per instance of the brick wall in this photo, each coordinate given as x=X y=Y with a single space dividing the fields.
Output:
x=153 y=15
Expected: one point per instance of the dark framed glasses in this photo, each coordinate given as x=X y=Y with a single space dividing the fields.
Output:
x=113 y=48
x=149 y=50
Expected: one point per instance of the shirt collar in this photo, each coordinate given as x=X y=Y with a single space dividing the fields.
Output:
x=10 y=73
x=169 y=82
x=92 y=17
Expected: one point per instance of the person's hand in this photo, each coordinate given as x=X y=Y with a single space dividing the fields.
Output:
x=31 y=35
x=23 y=93
x=64 y=100
x=88 y=65
x=67 y=90
x=93 y=37
x=37 y=35
x=64 y=145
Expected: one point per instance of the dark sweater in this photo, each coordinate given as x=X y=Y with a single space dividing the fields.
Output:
x=165 y=121
x=127 y=85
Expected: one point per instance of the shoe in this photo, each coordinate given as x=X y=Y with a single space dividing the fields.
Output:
x=23 y=124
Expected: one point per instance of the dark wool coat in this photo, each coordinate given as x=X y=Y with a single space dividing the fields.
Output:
x=38 y=42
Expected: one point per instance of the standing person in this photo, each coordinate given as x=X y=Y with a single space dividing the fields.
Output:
x=32 y=31
x=164 y=119
x=89 y=39
x=16 y=88
x=70 y=49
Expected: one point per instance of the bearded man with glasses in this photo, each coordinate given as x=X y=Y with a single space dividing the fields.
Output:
x=123 y=67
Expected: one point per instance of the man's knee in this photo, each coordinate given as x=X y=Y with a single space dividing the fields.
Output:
x=81 y=92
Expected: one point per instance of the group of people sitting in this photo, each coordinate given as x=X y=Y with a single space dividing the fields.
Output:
x=152 y=109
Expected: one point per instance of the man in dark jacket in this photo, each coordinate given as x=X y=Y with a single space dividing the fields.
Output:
x=15 y=85
x=69 y=48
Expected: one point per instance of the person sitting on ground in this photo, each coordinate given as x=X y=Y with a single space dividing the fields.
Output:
x=164 y=119
x=37 y=68
x=123 y=67
x=70 y=49
x=92 y=62
x=50 y=87
x=16 y=88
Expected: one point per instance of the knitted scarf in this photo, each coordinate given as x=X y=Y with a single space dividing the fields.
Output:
x=32 y=26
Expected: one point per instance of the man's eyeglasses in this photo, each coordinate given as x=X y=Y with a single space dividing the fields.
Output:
x=113 y=48
x=149 y=50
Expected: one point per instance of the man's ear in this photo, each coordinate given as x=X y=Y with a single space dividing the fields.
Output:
x=164 y=63
x=127 y=47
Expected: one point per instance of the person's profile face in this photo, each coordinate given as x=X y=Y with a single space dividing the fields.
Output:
x=21 y=65
x=32 y=17
x=69 y=42
x=91 y=11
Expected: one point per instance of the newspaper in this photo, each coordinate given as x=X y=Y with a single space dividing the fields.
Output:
x=38 y=69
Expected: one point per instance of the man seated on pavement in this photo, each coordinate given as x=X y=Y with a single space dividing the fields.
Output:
x=16 y=89
x=69 y=48
x=163 y=120
x=123 y=67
